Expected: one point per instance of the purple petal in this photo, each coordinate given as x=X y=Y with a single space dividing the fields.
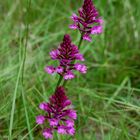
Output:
x=71 y=131
x=74 y=17
x=96 y=30
x=44 y=106
x=80 y=67
x=100 y=21
x=80 y=11
x=73 y=26
x=61 y=129
x=54 y=54
x=69 y=75
x=59 y=69
x=67 y=102
x=40 y=119
x=69 y=123
x=72 y=114
x=87 y=37
x=65 y=62
x=50 y=69
x=53 y=122
x=79 y=57
x=47 y=133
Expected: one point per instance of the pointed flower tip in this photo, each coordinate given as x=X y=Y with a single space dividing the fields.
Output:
x=87 y=19
x=67 y=38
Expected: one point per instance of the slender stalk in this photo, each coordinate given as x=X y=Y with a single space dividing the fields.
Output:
x=80 y=42
x=79 y=46
x=59 y=81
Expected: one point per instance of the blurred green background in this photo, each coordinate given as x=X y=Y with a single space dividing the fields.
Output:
x=107 y=98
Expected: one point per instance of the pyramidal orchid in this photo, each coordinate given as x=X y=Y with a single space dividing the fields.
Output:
x=59 y=115
x=88 y=22
x=66 y=54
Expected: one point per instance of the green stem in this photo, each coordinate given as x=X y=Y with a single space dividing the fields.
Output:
x=80 y=42
x=59 y=81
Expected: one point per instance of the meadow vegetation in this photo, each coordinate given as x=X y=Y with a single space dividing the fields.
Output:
x=107 y=98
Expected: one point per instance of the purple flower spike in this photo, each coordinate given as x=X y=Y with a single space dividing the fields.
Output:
x=66 y=54
x=59 y=115
x=88 y=22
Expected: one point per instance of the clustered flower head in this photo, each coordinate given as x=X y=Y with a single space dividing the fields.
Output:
x=88 y=22
x=59 y=115
x=66 y=54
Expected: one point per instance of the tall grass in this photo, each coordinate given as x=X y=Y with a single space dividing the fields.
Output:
x=106 y=98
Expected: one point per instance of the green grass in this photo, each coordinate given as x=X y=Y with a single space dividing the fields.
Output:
x=107 y=98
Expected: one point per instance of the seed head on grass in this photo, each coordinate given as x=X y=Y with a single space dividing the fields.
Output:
x=66 y=54
x=88 y=22
x=59 y=115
